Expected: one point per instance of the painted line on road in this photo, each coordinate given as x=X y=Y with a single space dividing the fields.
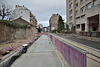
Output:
x=93 y=59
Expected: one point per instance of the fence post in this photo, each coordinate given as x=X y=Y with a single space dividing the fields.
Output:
x=3 y=64
x=85 y=60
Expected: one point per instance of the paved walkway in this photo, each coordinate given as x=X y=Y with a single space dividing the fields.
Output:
x=40 y=54
x=89 y=43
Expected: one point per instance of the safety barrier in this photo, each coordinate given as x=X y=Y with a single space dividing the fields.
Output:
x=7 y=62
x=75 y=57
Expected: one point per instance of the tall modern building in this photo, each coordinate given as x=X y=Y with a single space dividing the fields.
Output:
x=84 y=14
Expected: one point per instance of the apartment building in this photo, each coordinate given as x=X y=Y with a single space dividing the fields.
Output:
x=24 y=13
x=84 y=14
x=53 y=22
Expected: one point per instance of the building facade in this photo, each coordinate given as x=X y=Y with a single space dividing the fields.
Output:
x=84 y=14
x=53 y=22
x=24 y=13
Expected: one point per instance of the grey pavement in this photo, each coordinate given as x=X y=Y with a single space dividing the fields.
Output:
x=41 y=54
x=89 y=43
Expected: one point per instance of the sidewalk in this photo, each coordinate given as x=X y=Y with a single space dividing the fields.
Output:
x=41 y=54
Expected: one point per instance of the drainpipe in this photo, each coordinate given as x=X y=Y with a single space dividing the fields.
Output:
x=99 y=23
x=87 y=29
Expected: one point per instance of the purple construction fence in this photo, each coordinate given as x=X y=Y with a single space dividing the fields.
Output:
x=75 y=57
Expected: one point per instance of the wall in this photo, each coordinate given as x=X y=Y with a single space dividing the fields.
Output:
x=1 y=32
x=20 y=33
x=9 y=33
x=6 y=32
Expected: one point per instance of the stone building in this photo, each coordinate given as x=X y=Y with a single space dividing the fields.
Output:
x=84 y=14
x=31 y=28
x=53 y=22
x=21 y=21
x=33 y=20
x=24 y=13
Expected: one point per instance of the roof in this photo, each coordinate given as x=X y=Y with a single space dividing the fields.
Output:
x=21 y=21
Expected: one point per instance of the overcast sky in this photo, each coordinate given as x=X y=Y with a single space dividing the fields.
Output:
x=42 y=9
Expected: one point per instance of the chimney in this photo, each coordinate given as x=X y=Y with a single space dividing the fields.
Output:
x=23 y=5
x=16 y=6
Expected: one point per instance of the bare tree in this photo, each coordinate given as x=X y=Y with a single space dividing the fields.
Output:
x=5 y=10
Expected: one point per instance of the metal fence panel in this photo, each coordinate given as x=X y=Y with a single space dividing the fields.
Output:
x=74 y=56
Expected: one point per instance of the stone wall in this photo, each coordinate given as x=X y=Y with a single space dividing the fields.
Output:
x=1 y=32
x=8 y=33
x=20 y=33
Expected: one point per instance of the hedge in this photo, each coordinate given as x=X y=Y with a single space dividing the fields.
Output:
x=14 y=24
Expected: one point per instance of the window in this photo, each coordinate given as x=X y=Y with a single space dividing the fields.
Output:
x=76 y=12
x=96 y=2
x=76 y=0
x=89 y=5
x=71 y=5
x=77 y=17
x=82 y=9
x=82 y=1
x=78 y=26
x=76 y=5
x=82 y=16
x=70 y=18
x=70 y=12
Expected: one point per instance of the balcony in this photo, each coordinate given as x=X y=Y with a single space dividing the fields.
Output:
x=76 y=1
x=82 y=9
x=89 y=5
x=70 y=1
x=70 y=12
x=96 y=2
x=78 y=20
x=76 y=5
x=71 y=6
x=82 y=1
